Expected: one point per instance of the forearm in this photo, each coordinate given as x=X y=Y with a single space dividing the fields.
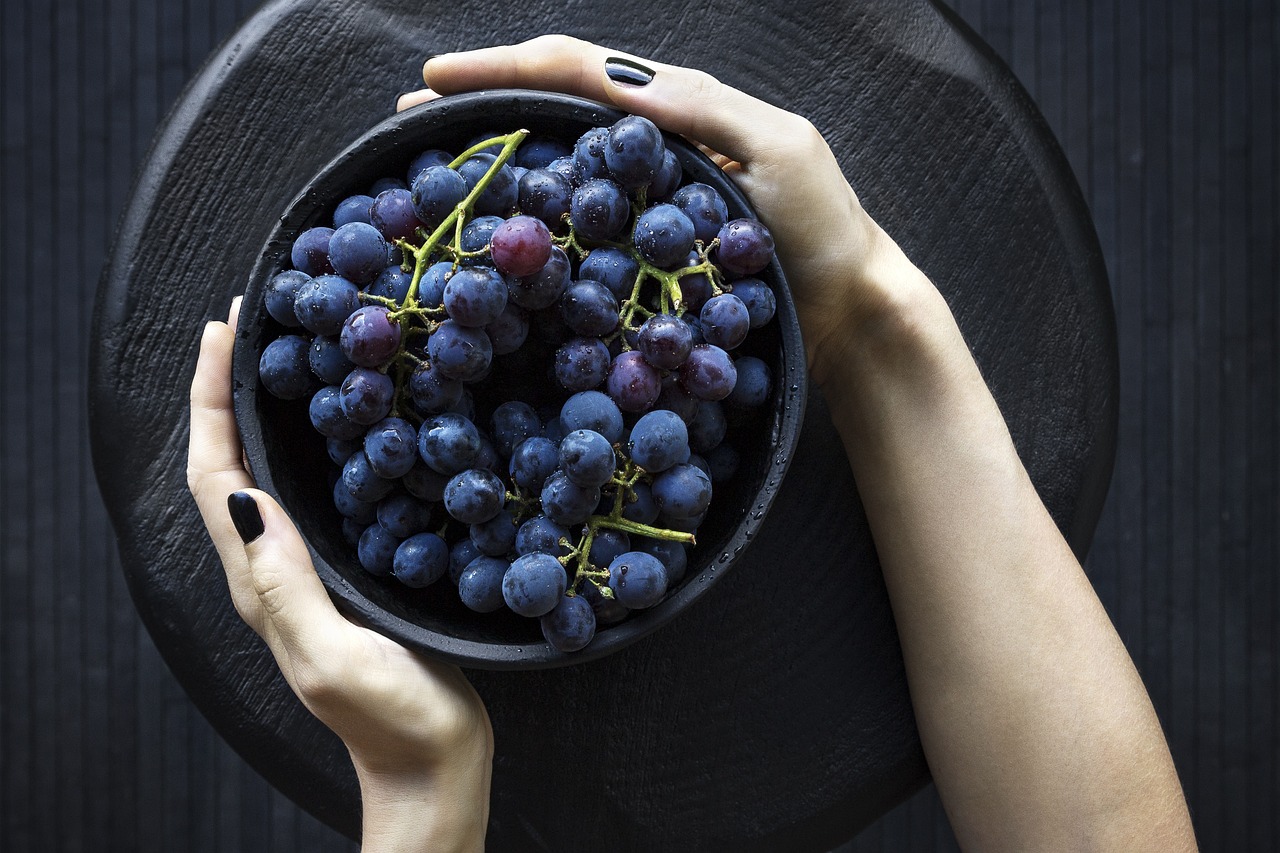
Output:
x=444 y=811
x=1037 y=728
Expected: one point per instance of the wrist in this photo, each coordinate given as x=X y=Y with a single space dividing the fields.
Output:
x=440 y=809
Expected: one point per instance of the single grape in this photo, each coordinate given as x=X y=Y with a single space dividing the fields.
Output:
x=587 y=458
x=722 y=462
x=582 y=363
x=423 y=482
x=571 y=624
x=461 y=553
x=639 y=504
x=363 y=511
x=532 y=461
x=474 y=495
x=705 y=207
x=665 y=341
x=392 y=214
x=513 y=422
x=746 y=246
x=475 y=296
x=339 y=450
x=362 y=481
x=682 y=491
x=708 y=373
x=475 y=238
x=328 y=418
x=358 y=252
x=663 y=235
x=480 y=584
x=638 y=580
x=285 y=368
x=383 y=184
x=425 y=160
x=377 y=550
x=448 y=443
x=421 y=560
x=633 y=151
x=437 y=190
x=588 y=155
x=367 y=395
x=496 y=536
x=565 y=503
x=508 y=332
x=708 y=427
x=633 y=383
x=589 y=308
x=607 y=545
x=673 y=556
x=325 y=302
x=520 y=246
x=613 y=267
x=666 y=179
x=353 y=208
x=677 y=399
x=537 y=151
x=310 y=251
x=392 y=283
x=281 y=293
x=725 y=321
x=545 y=194
x=499 y=197
x=369 y=337
x=607 y=610
x=432 y=391
x=392 y=447
x=592 y=410
x=544 y=287
x=754 y=383
x=403 y=515
x=460 y=352
x=659 y=440
x=431 y=285
x=533 y=584
x=759 y=299
x=542 y=535
x=599 y=209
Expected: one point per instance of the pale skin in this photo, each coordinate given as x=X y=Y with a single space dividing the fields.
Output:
x=1035 y=723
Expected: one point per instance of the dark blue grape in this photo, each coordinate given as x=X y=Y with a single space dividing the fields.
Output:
x=496 y=536
x=665 y=341
x=474 y=495
x=592 y=410
x=565 y=503
x=677 y=399
x=545 y=195
x=746 y=247
x=589 y=308
x=544 y=287
x=352 y=531
x=725 y=321
x=534 y=584
x=392 y=214
x=666 y=179
x=460 y=352
x=639 y=505
x=392 y=283
x=513 y=422
x=695 y=288
x=613 y=267
x=480 y=585
x=358 y=252
x=325 y=302
x=383 y=184
x=755 y=380
x=532 y=461
x=403 y=515
x=362 y=481
x=339 y=450
x=682 y=491
x=708 y=373
x=722 y=462
x=285 y=368
x=599 y=210
x=587 y=458
x=329 y=419
x=421 y=560
x=475 y=238
x=571 y=625
x=461 y=553
x=759 y=299
x=705 y=208
x=392 y=447
x=537 y=151
x=500 y=195
x=582 y=363
x=708 y=427
x=659 y=440
x=606 y=545
x=567 y=168
x=431 y=285
x=588 y=155
x=633 y=151
x=352 y=209
x=437 y=190
x=448 y=443
x=367 y=395
x=542 y=535
x=362 y=511
x=663 y=236
x=475 y=296
x=310 y=251
x=377 y=550
x=281 y=294
x=638 y=580
x=509 y=331
x=425 y=160
x=607 y=610
x=431 y=391
x=425 y=483
x=673 y=556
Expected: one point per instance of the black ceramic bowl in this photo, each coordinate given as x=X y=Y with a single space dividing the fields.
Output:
x=288 y=458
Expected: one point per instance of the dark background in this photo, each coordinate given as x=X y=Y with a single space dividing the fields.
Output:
x=1168 y=112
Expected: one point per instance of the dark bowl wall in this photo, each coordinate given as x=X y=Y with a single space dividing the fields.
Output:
x=774 y=714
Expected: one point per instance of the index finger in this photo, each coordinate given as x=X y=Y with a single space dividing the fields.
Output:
x=682 y=100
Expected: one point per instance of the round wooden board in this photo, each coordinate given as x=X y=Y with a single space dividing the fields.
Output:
x=774 y=715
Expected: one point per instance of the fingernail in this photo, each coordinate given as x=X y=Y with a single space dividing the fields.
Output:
x=627 y=72
x=245 y=516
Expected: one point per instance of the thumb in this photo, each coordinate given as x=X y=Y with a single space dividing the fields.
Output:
x=295 y=614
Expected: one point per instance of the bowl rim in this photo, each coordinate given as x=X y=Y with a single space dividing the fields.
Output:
x=791 y=383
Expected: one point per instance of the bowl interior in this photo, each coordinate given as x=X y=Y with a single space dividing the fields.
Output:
x=288 y=457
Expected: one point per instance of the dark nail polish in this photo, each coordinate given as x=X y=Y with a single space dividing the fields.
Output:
x=627 y=72
x=245 y=516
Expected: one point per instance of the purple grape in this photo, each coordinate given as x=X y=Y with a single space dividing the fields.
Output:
x=666 y=179
x=759 y=299
x=746 y=247
x=705 y=208
x=725 y=321
x=367 y=395
x=665 y=341
x=281 y=294
x=607 y=545
x=437 y=190
x=708 y=373
x=392 y=214
x=537 y=151
x=588 y=155
x=708 y=427
x=362 y=481
x=363 y=512
x=520 y=246
x=431 y=391
x=599 y=209
x=633 y=151
x=633 y=383
x=325 y=302
x=369 y=337
x=475 y=296
x=663 y=235
x=544 y=287
x=310 y=251
x=325 y=411
x=582 y=363
x=460 y=352
x=285 y=368
x=425 y=160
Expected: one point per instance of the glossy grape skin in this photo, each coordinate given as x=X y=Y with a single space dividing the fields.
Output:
x=475 y=296
x=582 y=363
x=475 y=238
x=546 y=195
x=607 y=545
x=324 y=303
x=663 y=235
x=746 y=247
x=352 y=209
x=589 y=308
x=705 y=207
x=461 y=553
x=460 y=352
x=599 y=209
x=367 y=395
x=544 y=287
x=377 y=550
x=431 y=285
x=500 y=196
x=448 y=443
x=613 y=267
x=587 y=458
x=566 y=168
x=708 y=373
x=421 y=560
x=425 y=160
x=571 y=624
x=666 y=179
x=392 y=283
x=638 y=580
x=592 y=410
x=358 y=252
x=725 y=321
x=480 y=584
x=281 y=293
x=682 y=491
x=633 y=151
x=431 y=391
x=363 y=511
x=437 y=190
x=369 y=338
x=496 y=536
x=759 y=299
x=520 y=246
x=541 y=534
x=392 y=214
x=474 y=496
x=673 y=556
x=532 y=461
x=362 y=481
x=588 y=155
x=633 y=383
x=403 y=515
x=537 y=151
x=659 y=440
x=755 y=380
x=665 y=341
x=285 y=368
x=310 y=251
x=339 y=450
x=565 y=503
x=392 y=447
x=533 y=584
x=328 y=418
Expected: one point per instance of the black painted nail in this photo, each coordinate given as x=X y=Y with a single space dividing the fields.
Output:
x=627 y=72
x=245 y=516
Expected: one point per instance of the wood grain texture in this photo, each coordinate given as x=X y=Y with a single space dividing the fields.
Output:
x=82 y=688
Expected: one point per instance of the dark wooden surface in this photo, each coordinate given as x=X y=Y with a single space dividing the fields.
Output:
x=1168 y=112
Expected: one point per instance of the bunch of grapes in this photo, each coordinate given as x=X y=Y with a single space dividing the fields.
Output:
x=521 y=359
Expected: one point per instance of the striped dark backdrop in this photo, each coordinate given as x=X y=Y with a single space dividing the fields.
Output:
x=1168 y=112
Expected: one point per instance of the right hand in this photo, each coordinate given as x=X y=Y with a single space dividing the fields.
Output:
x=836 y=258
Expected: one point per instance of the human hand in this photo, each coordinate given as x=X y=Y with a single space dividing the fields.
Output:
x=843 y=269
x=418 y=733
